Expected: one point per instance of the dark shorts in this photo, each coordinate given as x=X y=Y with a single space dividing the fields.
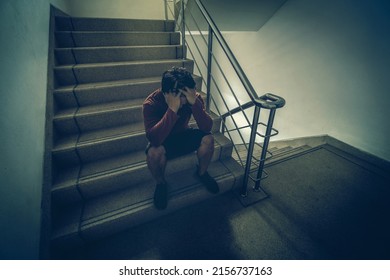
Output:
x=182 y=143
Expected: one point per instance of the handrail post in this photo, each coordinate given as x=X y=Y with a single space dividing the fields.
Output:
x=183 y=30
x=264 y=149
x=252 y=140
x=209 y=60
x=166 y=9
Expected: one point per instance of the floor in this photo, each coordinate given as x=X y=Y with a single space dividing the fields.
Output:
x=323 y=204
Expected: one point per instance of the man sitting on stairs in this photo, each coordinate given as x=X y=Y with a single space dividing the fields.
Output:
x=167 y=112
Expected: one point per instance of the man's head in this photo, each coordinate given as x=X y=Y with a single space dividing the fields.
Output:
x=175 y=79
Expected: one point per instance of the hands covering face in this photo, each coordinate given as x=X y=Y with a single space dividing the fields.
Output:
x=173 y=101
x=173 y=98
x=189 y=93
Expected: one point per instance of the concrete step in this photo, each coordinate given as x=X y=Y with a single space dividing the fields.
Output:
x=71 y=39
x=106 y=92
x=99 y=116
x=100 y=177
x=70 y=56
x=102 y=143
x=287 y=153
x=279 y=153
x=75 y=120
x=103 y=72
x=112 y=24
x=108 y=214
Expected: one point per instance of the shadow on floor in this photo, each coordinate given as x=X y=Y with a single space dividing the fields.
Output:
x=321 y=205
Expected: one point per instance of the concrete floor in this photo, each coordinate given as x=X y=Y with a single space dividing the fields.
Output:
x=321 y=205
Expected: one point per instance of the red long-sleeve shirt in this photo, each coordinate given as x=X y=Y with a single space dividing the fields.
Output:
x=160 y=121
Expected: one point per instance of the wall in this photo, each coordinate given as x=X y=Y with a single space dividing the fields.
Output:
x=135 y=9
x=23 y=77
x=329 y=60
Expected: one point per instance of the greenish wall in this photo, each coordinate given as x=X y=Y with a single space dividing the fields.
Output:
x=330 y=61
x=23 y=78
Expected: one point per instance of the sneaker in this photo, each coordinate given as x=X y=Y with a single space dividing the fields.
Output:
x=209 y=182
x=161 y=196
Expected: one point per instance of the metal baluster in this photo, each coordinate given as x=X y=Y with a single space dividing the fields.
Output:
x=166 y=9
x=264 y=149
x=183 y=30
x=209 y=60
x=252 y=140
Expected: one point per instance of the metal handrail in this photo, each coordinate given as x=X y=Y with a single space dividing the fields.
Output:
x=244 y=79
x=267 y=101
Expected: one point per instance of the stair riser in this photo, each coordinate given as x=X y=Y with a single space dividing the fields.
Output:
x=91 y=74
x=96 y=24
x=106 y=94
x=100 y=39
x=99 y=55
x=125 y=179
x=99 y=120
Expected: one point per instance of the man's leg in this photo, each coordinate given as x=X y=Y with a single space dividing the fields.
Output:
x=205 y=153
x=157 y=162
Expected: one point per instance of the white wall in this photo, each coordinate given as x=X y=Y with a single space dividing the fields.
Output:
x=23 y=76
x=134 y=9
x=330 y=61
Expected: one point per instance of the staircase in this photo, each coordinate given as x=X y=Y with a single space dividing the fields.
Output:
x=105 y=68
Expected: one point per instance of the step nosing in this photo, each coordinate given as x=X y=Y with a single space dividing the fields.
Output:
x=73 y=145
x=115 y=83
x=119 y=47
x=106 y=110
x=118 y=63
x=114 y=32
x=109 y=138
x=113 y=171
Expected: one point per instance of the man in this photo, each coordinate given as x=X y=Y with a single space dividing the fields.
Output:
x=167 y=112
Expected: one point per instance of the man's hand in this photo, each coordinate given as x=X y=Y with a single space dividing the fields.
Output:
x=173 y=101
x=190 y=94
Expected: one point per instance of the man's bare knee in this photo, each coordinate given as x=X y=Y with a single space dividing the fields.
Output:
x=208 y=141
x=156 y=154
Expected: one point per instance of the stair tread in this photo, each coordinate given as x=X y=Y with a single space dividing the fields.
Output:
x=88 y=23
x=107 y=84
x=113 y=83
x=120 y=63
x=143 y=193
x=98 y=135
x=286 y=153
x=118 y=47
x=112 y=32
x=107 y=133
x=113 y=19
x=99 y=108
x=278 y=153
x=111 y=165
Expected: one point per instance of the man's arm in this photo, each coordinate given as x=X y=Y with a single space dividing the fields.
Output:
x=157 y=129
x=202 y=118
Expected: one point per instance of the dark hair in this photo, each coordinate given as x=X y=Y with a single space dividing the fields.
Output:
x=179 y=75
